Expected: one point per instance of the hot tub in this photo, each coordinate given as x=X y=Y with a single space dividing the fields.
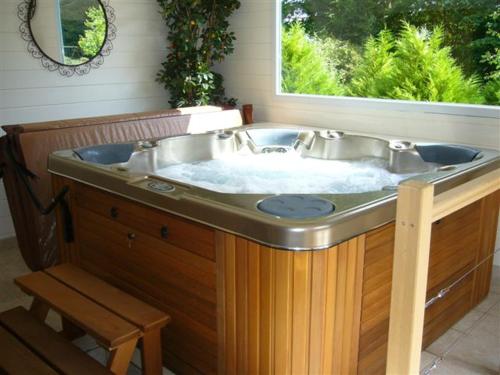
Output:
x=286 y=187
x=271 y=247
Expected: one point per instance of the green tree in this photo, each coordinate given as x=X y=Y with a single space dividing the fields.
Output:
x=375 y=76
x=463 y=22
x=304 y=67
x=491 y=46
x=73 y=16
x=91 y=41
x=490 y=59
x=415 y=66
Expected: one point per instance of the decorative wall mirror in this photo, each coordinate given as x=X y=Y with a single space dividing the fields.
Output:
x=69 y=36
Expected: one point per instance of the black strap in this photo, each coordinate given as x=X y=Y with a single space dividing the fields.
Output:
x=25 y=174
x=68 y=233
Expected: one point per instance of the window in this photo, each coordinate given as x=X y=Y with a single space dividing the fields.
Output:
x=444 y=51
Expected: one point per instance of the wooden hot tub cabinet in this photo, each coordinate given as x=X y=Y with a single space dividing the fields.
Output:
x=239 y=307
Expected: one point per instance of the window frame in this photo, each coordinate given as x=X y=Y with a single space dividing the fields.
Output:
x=360 y=104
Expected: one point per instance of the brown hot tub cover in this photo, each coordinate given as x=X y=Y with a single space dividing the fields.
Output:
x=25 y=148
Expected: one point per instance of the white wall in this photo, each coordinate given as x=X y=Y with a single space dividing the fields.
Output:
x=125 y=83
x=250 y=76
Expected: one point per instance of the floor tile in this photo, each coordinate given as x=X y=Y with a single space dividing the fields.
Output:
x=468 y=321
x=54 y=320
x=426 y=359
x=136 y=358
x=8 y=243
x=134 y=370
x=479 y=350
x=442 y=344
x=24 y=301
x=495 y=310
x=489 y=324
x=495 y=280
x=459 y=367
x=86 y=343
x=491 y=300
x=100 y=355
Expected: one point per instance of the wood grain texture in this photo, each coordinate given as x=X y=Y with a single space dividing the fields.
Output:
x=488 y=224
x=455 y=249
x=466 y=194
x=412 y=241
x=176 y=275
x=109 y=329
x=15 y=358
x=240 y=307
x=148 y=220
x=47 y=344
x=122 y=304
x=306 y=304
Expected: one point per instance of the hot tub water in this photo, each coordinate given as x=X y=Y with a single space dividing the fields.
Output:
x=284 y=173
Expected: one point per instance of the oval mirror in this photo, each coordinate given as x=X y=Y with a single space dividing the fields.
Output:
x=70 y=32
x=69 y=36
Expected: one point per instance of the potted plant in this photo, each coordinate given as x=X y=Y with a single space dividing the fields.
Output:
x=198 y=37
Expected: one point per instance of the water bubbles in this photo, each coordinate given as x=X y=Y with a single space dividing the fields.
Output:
x=284 y=173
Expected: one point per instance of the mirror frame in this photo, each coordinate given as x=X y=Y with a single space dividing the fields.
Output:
x=24 y=12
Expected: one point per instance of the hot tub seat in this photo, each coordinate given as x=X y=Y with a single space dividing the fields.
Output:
x=447 y=154
x=106 y=154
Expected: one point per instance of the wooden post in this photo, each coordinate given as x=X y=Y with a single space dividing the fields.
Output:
x=409 y=278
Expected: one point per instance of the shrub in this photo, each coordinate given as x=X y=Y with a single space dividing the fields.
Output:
x=340 y=56
x=304 y=67
x=415 y=66
x=491 y=92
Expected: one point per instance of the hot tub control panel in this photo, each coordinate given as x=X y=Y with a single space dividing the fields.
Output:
x=160 y=186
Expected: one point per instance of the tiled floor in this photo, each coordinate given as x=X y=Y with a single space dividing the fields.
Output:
x=472 y=346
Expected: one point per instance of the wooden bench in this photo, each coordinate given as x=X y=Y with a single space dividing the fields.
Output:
x=30 y=347
x=114 y=318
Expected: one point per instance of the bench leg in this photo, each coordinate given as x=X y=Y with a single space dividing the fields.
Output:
x=70 y=331
x=120 y=357
x=39 y=309
x=151 y=353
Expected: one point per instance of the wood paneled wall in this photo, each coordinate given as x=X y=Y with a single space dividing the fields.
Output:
x=284 y=312
x=489 y=225
x=238 y=307
x=459 y=242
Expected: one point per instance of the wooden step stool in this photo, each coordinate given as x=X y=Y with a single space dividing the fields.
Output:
x=114 y=318
x=30 y=347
